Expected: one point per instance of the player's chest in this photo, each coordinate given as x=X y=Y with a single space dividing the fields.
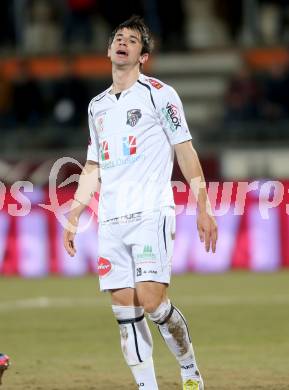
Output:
x=121 y=118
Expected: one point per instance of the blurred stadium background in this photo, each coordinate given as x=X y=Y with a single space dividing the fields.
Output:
x=229 y=61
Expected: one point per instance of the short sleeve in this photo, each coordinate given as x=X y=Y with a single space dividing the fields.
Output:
x=93 y=146
x=172 y=116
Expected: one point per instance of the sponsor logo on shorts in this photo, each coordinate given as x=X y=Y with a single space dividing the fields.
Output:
x=133 y=116
x=134 y=217
x=104 y=151
x=147 y=253
x=156 y=84
x=129 y=145
x=103 y=266
x=140 y=272
x=172 y=115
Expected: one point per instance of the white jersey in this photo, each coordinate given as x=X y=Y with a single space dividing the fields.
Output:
x=132 y=139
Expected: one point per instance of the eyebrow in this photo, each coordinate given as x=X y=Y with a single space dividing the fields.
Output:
x=131 y=36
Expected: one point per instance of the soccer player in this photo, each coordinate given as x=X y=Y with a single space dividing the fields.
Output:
x=4 y=364
x=136 y=127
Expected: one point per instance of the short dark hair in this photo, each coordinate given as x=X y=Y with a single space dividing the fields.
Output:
x=136 y=23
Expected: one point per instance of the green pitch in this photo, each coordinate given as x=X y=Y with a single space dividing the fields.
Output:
x=60 y=333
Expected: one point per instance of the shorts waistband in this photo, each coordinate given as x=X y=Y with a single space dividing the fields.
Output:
x=125 y=218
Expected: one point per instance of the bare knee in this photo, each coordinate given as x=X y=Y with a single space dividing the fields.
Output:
x=151 y=295
x=124 y=297
x=151 y=306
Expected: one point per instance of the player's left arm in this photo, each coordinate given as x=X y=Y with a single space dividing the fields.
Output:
x=191 y=169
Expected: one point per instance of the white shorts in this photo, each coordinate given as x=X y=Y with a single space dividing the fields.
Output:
x=136 y=248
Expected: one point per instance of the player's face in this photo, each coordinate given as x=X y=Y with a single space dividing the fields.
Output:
x=126 y=48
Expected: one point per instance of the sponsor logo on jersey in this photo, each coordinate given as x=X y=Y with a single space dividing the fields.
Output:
x=147 y=253
x=128 y=160
x=172 y=115
x=104 y=151
x=129 y=145
x=103 y=266
x=155 y=83
x=133 y=116
x=99 y=124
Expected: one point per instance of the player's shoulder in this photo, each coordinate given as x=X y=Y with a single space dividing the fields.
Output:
x=97 y=100
x=157 y=86
x=153 y=83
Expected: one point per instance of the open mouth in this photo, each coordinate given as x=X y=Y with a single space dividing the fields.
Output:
x=122 y=53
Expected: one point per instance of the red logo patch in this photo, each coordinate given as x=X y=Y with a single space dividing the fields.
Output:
x=155 y=84
x=103 y=266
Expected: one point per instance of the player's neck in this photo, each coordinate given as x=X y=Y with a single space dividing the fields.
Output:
x=123 y=79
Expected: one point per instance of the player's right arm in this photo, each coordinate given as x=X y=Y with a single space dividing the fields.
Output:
x=88 y=185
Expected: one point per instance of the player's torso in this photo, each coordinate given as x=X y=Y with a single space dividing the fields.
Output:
x=128 y=129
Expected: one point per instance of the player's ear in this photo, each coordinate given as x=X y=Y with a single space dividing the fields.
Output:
x=108 y=51
x=143 y=58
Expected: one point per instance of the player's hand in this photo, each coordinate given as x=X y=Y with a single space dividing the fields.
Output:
x=208 y=230
x=69 y=234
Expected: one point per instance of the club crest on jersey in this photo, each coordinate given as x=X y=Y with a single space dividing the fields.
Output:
x=103 y=266
x=133 y=116
x=129 y=145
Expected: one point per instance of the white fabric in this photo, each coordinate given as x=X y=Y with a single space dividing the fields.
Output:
x=132 y=138
x=136 y=248
x=176 y=335
x=161 y=313
x=125 y=312
x=137 y=345
x=135 y=338
x=144 y=375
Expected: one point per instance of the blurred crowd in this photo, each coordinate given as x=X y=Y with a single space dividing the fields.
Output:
x=27 y=101
x=258 y=95
x=38 y=26
x=54 y=25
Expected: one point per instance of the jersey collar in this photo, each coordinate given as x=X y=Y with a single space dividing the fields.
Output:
x=126 y=91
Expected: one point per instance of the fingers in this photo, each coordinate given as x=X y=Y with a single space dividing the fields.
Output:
x=207 y=240
x=205 y=237
x=201 y=234
x=214 y=238
x=209 y=235
x=68 y=241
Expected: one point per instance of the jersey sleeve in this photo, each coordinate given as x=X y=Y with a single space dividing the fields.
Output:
x=172 y=117
x=93 y=146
